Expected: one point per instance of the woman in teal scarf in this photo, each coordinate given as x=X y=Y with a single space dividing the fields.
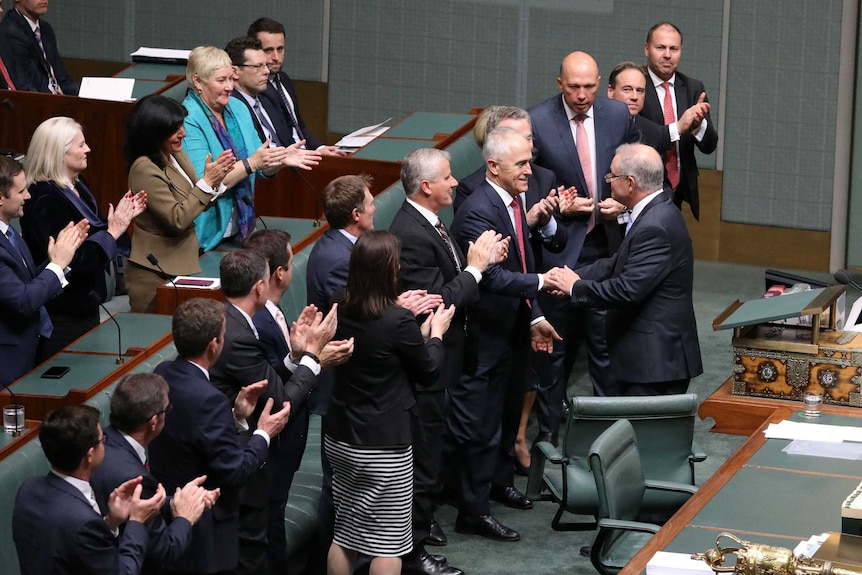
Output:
x=217 y=122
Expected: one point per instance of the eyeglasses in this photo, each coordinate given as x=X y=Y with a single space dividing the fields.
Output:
x=610 y=176
x=255 y=67
x=165 y=410
x=103 y=439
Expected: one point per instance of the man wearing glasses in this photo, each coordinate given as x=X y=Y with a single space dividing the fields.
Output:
x=139 y=406
x=58 y=526
x=646 y=286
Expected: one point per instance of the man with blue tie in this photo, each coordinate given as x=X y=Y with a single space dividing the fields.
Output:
x=24 y=286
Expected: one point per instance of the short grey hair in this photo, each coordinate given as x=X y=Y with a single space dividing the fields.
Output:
x=203 y=61
x=499 y=142
x=420 y=165
x=643 y=164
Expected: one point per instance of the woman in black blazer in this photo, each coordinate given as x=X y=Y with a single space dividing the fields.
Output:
x=55 y=159
x=367 y=430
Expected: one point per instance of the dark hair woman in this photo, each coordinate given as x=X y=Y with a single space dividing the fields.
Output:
x=176 y=196
x=367 y=430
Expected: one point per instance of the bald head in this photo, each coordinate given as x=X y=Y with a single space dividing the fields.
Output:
x=579 y=81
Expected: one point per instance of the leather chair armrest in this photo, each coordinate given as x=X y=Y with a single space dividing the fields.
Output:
x=622 y=525
x=550 y=452
x=670 y=486
x=542 y=453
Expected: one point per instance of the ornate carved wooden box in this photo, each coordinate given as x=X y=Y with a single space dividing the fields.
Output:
x=784 y=361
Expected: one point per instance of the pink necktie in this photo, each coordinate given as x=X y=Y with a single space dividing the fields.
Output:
x=583 y=145
x=282 y=325
x=670 y=159
x=5 y=73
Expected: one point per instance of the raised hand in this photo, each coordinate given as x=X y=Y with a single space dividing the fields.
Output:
x=321 y=331
x=336 y=352
x=273 y=422
x=610 y=208
x=419 y=301
x=484 y=250
x=441 y=319
x=246 y=399
x=62 y=250
x=297 y=157
x=215 y=172
x=542 y=211
x=191 y=501
x=145 y=509
x=542 y=336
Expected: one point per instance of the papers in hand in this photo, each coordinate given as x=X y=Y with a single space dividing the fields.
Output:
x=113 y=89
x=195 y=282
x=363 y=136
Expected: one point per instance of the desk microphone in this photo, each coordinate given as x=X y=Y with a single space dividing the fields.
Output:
x=120 y=359
x=8 y=103
x=846 y=277
x=247 y=201
x=318 y=198
x=155 y=261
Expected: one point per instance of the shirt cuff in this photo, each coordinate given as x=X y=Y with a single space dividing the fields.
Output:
x=263 y=434
x=673 y=128
x=537 y=320
x=59 y=272
x=701 y=131
x=549 y=229
x=310 y=364
x=477 y=275
x=241 y=424
x=541 y=282
x=289 y=363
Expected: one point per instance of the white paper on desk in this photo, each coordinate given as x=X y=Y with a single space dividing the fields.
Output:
x=813 y=432
x=161 y=53
x=113 y=89
x=363 y=136
x=665 y=563
x=851 y=451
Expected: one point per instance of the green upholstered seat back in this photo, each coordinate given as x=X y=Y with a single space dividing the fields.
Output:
x=616 y=466
x=24 y=463
x=388 y=203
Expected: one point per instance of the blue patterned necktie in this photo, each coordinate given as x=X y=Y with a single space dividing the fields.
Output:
x=14 y=240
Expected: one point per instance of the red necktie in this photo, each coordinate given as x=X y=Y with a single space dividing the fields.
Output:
x=671 y=163
x=5 y=73
x=583 y=145
x=519 y=233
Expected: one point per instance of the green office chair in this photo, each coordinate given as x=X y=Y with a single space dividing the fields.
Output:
x=621 y=487
x=664 y=426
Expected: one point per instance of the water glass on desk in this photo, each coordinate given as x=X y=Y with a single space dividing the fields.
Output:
x=13 y=419
x=813 y=402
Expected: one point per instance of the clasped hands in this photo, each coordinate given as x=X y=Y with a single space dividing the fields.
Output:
x=293 y=156
x=559 y=281
x=572 y=204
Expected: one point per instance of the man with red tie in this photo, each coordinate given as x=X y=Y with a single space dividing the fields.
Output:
x=5 y=80
x=28 y=47
x=668 y=95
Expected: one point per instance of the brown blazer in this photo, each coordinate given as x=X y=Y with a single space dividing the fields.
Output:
x=167 y=227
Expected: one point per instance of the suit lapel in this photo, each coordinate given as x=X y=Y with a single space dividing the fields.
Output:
x=680 y=90
x=435 y=236
x=62 y=485
x=27 y=272
x=564 y=130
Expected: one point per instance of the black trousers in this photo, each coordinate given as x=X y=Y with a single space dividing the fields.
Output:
x=427 y=452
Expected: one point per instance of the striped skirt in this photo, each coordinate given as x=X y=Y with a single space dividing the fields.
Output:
x=373 y=494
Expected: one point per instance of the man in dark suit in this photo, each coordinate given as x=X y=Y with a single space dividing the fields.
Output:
x=280 y=89
x=5 y=79
x=485 y=403
x=432 y=261
x=668 y=94
x=245 y=281
x=201 y=435
x=251 y=78
x=646 y=286
x=575 y=135
x=57 y=525
x=28 y=46
x=24 y=287
x=139 y=406
x=542 y=183
x=285 y=348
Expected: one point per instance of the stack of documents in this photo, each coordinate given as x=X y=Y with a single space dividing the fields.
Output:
x=818 y=440
x=362 y=137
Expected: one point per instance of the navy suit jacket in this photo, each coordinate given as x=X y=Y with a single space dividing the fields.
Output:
x=279 y=124
x=687 y=91
x=20 y=52
x=24 y=290
x=656 y=136
x=200 y=438
x=646 y=288
x=426 y=263
x=540 y=185
x=502 y=312
x=327 y=268
x=274 y=105
x=167 y=541
x=555 y=149
x=57 y=531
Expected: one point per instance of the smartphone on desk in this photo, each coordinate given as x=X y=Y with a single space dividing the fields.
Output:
x=55 y=372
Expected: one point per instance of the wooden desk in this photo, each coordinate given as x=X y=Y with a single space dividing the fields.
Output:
x=743 y=415
x=92 y=362
x=749 y=496
x=9 y=443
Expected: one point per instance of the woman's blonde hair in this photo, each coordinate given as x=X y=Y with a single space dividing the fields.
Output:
x=46 y=156
x=203 y=61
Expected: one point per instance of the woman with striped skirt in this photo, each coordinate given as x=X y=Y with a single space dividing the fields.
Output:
x=367 y=435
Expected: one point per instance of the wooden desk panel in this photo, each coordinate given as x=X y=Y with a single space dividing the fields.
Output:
x=9 y=443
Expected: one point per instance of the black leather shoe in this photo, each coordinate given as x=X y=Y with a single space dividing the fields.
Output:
x=510 y=497
x=422 y=563
x=486 y=526
x=586 y=550
x=436 y=537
